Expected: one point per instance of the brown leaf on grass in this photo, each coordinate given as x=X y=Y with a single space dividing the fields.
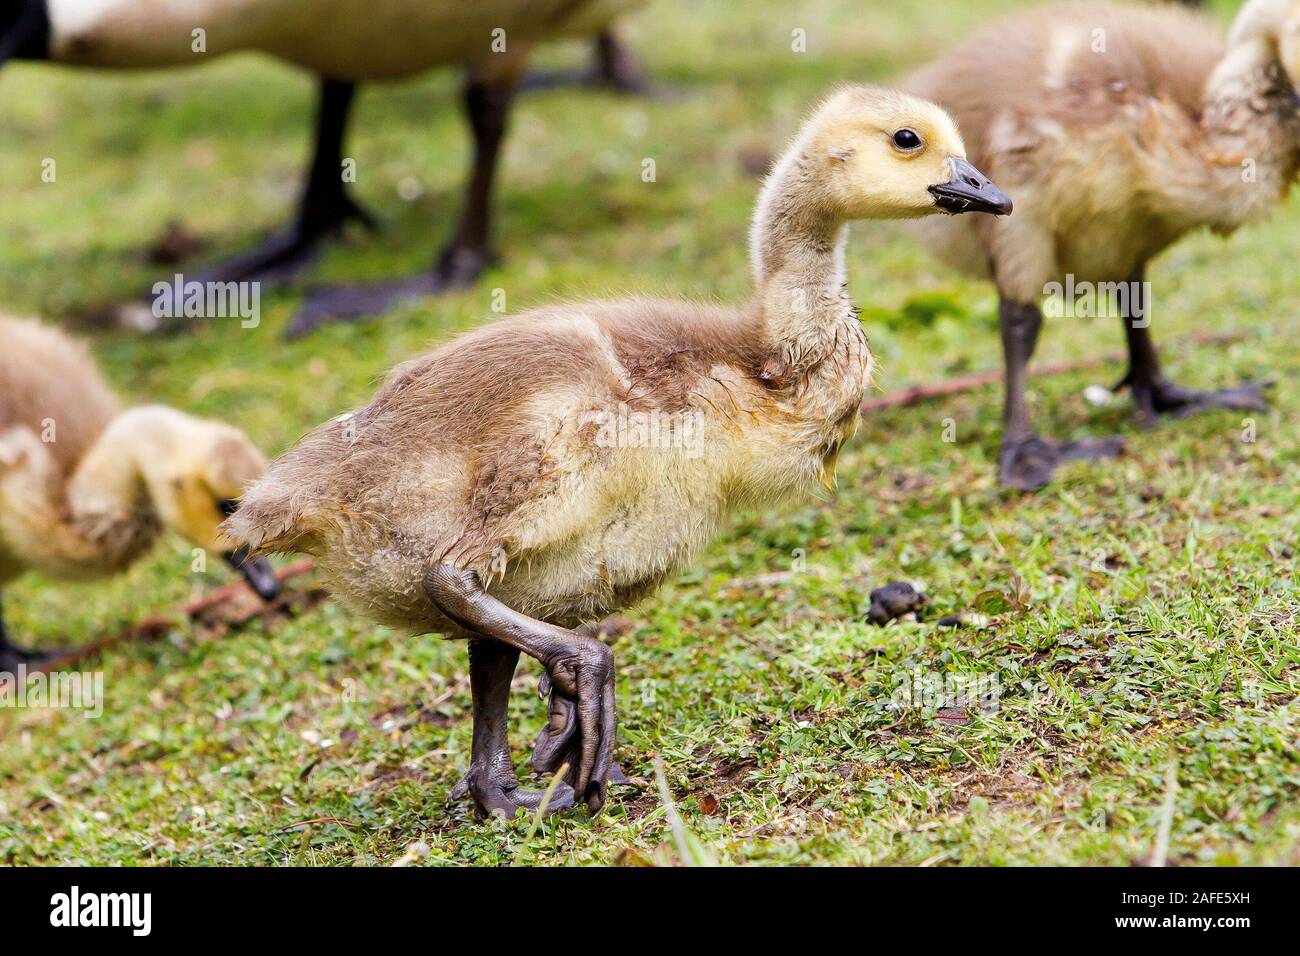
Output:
x=708 y=804
x=954 y=715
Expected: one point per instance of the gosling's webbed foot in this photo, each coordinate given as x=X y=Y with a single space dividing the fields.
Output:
x=1028 y=464
x=458 y=268
x=558 y=744
x=1166 y=398
x=582 y=723
x=499 y=794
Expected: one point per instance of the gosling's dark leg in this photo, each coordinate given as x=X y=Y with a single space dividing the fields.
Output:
x=580 y=669
x=12 y=655
x=323 y=209
x=491 y=777
x=469 y=252
x=1027 y=460
x=1155 y=395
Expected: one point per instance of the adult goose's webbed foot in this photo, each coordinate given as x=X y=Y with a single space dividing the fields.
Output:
x=1028 y=464
x=491 y=778
x=458 y=268
x=579 y=668
x=11 y=657
x=284 y=254
x=614 y=67
x=1162 y=397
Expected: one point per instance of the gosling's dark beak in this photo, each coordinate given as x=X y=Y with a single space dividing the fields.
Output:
x=257 y=571
x=969 y=190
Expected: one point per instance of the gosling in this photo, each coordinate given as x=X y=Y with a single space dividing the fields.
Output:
x=1119 y=130
x=512 y=484
x=86 y=489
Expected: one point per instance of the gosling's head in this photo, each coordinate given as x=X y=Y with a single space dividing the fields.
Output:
x=881 y=154
x=194 y=472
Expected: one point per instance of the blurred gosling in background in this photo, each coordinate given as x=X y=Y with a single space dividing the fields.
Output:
x=86 y=489
x=1119 y=130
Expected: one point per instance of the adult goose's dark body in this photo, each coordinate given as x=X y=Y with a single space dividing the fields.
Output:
x=344 y=42
x=1119 y=129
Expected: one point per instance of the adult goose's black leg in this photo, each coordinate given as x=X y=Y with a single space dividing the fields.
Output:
x=613 y=67
x=1027 y=460
x=491 y=777
x=11 y=655
x=1155 y=395
x=579 y=668
x=617 y=67
x=24 y=30
x=487 y=104
x=323 y=209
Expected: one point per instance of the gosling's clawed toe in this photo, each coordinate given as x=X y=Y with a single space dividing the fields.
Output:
x=582 y=724
x=562 y=743
x=498 y=794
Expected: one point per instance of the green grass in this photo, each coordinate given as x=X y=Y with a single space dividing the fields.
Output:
x=1140 y=613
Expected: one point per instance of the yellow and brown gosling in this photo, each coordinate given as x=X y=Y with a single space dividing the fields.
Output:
x=545 y=470
x=86 y=488
x=1119 y=129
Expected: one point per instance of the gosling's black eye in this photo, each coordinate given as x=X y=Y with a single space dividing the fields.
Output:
x=906 y=139
x=227 y=506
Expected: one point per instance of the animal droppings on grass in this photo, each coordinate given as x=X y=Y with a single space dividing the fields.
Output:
x=894 y=600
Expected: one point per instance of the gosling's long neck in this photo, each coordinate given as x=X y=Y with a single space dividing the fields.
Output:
x=96 y=524
x=797 y=252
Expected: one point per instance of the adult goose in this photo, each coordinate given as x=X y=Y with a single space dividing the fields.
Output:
x=344 y=43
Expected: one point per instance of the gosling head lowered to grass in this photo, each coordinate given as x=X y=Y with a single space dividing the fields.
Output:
x=545 y=470
x=192 y=471
x=85 y=489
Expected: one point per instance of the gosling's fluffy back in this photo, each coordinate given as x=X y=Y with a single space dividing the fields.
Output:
x=49 y=383
x=1075 y=64
x=473 y=406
